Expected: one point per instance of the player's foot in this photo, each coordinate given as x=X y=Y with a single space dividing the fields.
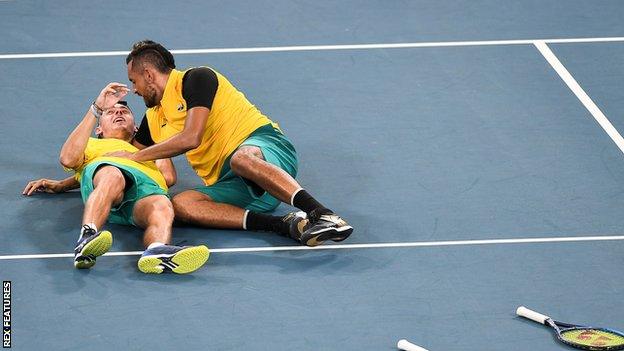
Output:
x=173 y=259
x=297 y=223
x=91 y=245
x=328 y=226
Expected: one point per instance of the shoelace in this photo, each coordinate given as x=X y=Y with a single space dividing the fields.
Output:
x=87 y=231
x=332 y=218
x=288 y=217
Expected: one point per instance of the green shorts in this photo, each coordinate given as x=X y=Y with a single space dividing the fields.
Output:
x=138 y=186
x=235 y=190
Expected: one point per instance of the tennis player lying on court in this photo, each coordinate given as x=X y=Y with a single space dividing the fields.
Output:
x=120 y=190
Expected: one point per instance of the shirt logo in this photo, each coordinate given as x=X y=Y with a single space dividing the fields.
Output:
x=180 y=107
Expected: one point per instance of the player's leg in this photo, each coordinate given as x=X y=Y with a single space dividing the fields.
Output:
x=103 y=189
x=108 y=190
x=269 y=161
x=199 y=208
x=154 y=213
x=248 y=162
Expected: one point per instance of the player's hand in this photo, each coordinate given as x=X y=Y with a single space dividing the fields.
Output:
x=111 y=94
x=43 y=185
x=122 y=154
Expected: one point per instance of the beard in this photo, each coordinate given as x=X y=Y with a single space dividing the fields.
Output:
x=150 y=98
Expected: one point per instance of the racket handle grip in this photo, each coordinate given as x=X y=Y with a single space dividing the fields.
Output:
x=408 y=346
x=532 y=315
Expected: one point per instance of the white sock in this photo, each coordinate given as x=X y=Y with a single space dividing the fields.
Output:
x=245 y=219
x=90 y=225
x=154 y=244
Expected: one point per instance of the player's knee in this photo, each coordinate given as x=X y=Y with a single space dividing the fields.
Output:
x=182 y=203
x=161 y=211
x=244 y=159
x=181 y=200
x=239 y=162
x=185 y=204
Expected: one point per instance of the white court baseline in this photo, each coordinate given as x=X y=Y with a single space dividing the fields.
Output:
x=324 y=47
x=567 y=239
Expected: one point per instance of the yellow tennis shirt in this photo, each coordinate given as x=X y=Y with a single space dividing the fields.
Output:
x=97 y=148
x=231 y=120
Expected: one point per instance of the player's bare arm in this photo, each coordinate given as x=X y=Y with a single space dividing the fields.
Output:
x=50 y=186
x=72 y=152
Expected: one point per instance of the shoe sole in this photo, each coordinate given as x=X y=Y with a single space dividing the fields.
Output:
x=96 y=247
x=333 y=234
x=187 y=260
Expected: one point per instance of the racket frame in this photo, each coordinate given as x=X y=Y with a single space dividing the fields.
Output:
x=561 y=327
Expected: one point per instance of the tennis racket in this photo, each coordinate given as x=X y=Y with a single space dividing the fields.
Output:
x=581 y=337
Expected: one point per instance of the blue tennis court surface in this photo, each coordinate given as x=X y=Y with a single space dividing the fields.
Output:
x=424 y=148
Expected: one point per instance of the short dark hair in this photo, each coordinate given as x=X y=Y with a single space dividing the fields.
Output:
x=125 y=103
x=152 y=52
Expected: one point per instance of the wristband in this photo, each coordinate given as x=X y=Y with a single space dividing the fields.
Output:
x=95 y=110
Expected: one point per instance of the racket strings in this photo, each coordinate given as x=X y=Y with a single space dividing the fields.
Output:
x=593 y=337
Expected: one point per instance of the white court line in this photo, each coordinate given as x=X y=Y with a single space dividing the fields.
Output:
x=322 y=47
x=360 y=246
x=580 y=94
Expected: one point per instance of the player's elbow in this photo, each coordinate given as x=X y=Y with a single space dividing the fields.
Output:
x=193 y=140
x=68 y=161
